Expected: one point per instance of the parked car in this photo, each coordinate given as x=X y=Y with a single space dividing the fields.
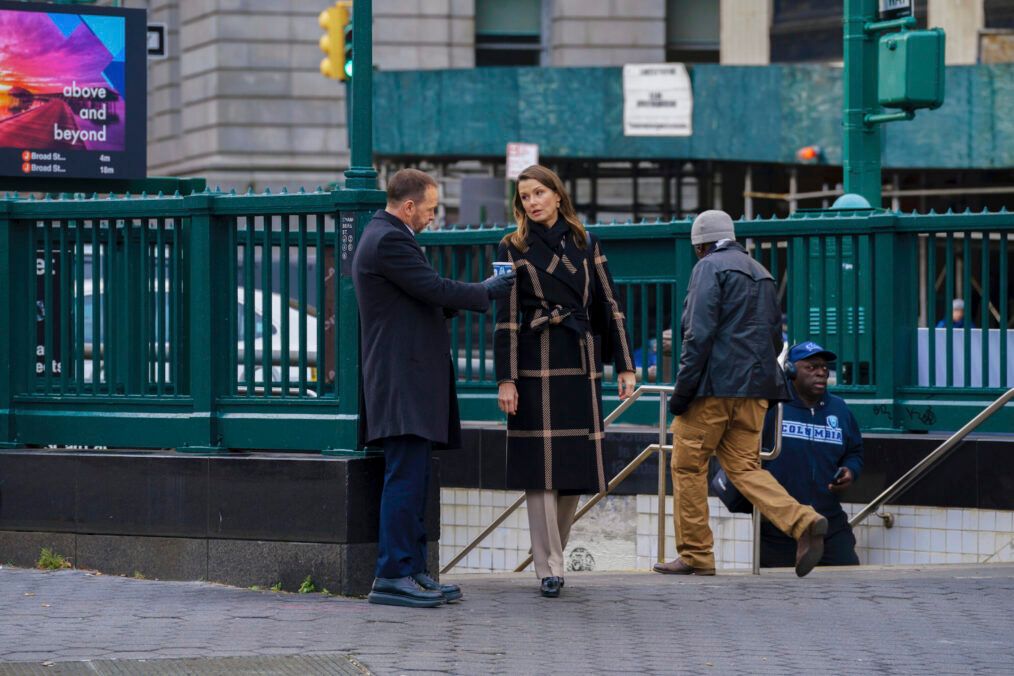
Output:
x=277 y=306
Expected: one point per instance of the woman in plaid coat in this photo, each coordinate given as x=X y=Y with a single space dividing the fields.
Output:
x=562 y=319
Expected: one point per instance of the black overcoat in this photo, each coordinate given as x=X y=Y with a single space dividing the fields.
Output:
x=561 y=320
x=408 y=377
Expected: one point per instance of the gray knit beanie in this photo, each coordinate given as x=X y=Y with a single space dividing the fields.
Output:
x=711 y=226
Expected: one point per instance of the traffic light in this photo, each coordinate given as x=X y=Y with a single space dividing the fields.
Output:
x=347 y=61
x=334 y=20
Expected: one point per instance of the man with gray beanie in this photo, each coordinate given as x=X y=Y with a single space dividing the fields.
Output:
x=732 y=335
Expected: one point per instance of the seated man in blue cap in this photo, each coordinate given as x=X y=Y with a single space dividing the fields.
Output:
x=822 y=455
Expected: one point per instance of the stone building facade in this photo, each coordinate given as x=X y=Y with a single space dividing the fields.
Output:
x=240 y=101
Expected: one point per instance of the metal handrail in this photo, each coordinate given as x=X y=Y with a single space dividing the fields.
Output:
x=776 y=450
x=660 y=448
x=923 y=466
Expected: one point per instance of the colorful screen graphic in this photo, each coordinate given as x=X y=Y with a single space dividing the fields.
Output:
x=67 y=103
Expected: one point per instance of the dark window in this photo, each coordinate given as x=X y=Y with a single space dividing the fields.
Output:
x=806 y=30
x=508 y=33
x=811 y=30
x=999 y=13
x=691 y=31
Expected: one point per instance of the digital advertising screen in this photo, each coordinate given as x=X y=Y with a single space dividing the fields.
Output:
x=73 y=91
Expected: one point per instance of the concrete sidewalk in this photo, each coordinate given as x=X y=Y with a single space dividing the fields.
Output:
x=944 y=619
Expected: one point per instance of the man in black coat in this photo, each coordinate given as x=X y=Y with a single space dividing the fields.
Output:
x=408 y=377
x=732 y=335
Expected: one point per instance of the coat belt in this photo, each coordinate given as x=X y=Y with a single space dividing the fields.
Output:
x=575 y=319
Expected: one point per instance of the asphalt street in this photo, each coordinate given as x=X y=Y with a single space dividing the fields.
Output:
x=944 y=619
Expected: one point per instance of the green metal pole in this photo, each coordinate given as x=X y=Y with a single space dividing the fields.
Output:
x=351 y=219
x=360 y=173
x=862 y=140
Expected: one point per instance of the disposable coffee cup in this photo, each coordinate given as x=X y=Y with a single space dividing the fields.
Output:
x=501 y=268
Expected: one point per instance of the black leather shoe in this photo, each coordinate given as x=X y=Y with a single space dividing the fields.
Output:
x=550 y=587
x=451 y=592
x=403 y=591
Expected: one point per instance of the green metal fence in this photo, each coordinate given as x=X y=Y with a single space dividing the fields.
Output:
x=218 y=321
x=869 y=285
x=202 y=323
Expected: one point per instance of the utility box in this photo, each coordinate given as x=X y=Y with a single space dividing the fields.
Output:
x=911 y=69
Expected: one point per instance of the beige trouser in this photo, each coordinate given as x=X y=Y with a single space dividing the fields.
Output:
x=731 y=429
x=550 y=516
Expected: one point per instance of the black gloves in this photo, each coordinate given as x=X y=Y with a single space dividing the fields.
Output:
x=678 y=403
x=500 y=287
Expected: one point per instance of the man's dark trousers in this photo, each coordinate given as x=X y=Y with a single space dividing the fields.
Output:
x=402 y=545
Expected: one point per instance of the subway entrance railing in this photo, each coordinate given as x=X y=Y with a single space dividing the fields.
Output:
x=217 y=321
x=870 y=285
x=200 y=323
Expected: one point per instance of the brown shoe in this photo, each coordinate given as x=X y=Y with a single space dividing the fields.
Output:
x=680 y=567
x=810 y=546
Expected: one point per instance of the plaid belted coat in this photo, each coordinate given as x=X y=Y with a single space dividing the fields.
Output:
x=561 y=320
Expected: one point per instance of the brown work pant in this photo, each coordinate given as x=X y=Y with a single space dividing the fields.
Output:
x=731 y=429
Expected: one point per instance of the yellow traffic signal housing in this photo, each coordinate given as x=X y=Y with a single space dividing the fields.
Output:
x=333 y=20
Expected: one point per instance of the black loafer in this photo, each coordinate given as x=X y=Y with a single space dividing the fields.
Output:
x=550 y=587
x=403 y=591
x=451 y=592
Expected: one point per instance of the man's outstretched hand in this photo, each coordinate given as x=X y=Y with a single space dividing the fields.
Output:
x=498 y=288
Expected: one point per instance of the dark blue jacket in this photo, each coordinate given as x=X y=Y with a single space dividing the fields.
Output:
x=815 y=443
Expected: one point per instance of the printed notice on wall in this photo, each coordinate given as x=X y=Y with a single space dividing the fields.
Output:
x=657 y=100
x=348 y=242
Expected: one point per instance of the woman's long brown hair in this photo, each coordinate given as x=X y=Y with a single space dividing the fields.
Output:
x=548 y=178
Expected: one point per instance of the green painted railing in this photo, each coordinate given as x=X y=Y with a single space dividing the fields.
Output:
x=863 y=284
x=202 y=323
x=213 y=321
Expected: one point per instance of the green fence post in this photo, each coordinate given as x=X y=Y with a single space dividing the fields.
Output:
x=12 y=276
x=684 y=259
x=362 y=177
x=350 y=220
x=895 y=314
x=208 y=316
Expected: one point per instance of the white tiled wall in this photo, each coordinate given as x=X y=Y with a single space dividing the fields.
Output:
x=936 y=535
x=620 y=533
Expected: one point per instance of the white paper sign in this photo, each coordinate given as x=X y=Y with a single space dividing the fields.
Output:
x=520 y=156
x=657 y=100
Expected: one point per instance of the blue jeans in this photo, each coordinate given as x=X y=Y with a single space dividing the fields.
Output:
x=402 y=541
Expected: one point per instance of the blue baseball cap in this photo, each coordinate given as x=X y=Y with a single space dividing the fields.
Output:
x=810 y=349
